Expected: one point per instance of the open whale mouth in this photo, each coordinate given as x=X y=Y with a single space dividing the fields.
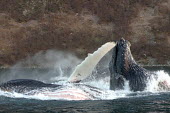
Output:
x=121 y=57
x=123 y=67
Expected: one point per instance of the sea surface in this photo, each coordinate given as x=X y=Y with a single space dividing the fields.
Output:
x=153 y=103
x=123 y=101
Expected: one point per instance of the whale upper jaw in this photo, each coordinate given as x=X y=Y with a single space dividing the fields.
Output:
x=117 y=64
x=124 y=57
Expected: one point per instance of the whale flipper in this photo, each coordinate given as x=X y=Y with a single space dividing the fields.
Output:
x=85 y=69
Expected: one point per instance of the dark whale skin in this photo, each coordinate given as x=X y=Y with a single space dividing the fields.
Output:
x=123 y=67
x=25 y=85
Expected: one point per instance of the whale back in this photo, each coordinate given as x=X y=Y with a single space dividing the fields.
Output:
x=25 y=85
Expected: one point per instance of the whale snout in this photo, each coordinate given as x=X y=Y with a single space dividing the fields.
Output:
x=123 y=44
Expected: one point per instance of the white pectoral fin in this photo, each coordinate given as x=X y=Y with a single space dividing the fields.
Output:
x=85 y=69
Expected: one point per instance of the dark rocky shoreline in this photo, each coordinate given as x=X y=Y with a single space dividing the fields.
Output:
x=81 y=26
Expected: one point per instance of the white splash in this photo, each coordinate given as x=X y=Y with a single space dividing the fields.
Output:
x=103 y=83
x=154 y=85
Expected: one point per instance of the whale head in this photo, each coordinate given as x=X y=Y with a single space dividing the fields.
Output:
x=124 y=67
x=124 y=58
x=120 y=63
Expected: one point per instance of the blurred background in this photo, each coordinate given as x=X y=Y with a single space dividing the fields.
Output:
x=81 y=26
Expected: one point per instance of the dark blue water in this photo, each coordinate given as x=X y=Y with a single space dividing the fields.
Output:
x=154 y=103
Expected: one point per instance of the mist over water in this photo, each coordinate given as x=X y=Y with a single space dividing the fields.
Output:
x=44 y=66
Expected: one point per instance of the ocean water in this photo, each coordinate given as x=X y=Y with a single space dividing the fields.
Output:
x=153 y=103
x=151 y=100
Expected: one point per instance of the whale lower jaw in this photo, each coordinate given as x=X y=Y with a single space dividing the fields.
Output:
x=65 y=92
